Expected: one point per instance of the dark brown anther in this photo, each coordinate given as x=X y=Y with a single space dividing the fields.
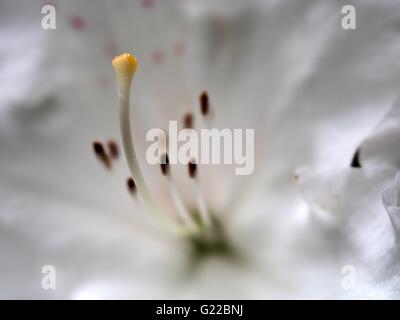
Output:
x=98 y=148
x=204 y=103
x=192 y=167
x=188 y=121
x=113 y=149
x=101 y=154
x=164 y=164
x=130 y=183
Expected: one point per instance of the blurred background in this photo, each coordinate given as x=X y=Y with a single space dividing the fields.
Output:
x=310 y=85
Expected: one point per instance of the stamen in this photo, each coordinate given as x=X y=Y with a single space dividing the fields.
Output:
x=101 y=154
x=205 y=215
x=113 y=149
x=204 y=103
x=125 y=66
x=188 y=121
x=130 y=183
x=176 y=198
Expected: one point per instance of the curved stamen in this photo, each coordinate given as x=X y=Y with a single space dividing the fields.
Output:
x=125 y=66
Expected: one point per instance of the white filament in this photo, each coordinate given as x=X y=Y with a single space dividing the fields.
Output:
x=180 y=206
x=201 y=204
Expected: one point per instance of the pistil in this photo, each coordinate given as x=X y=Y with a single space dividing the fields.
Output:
x=125 y=66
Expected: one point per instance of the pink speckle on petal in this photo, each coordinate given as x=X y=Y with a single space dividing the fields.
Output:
x=110 y=49
x=158 y=57
x=77 y=22
x=103 y=82
x=179 y=49
x=49 y=2
x=148 y=4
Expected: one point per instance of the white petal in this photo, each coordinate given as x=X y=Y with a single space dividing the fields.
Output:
x=391 y=201
x=354 y=222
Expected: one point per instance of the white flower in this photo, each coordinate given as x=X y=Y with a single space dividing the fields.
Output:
x=312 y=91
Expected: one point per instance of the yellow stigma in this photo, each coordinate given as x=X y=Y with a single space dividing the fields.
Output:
x=125 y=66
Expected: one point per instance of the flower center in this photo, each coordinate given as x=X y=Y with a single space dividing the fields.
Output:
x=199 y=226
